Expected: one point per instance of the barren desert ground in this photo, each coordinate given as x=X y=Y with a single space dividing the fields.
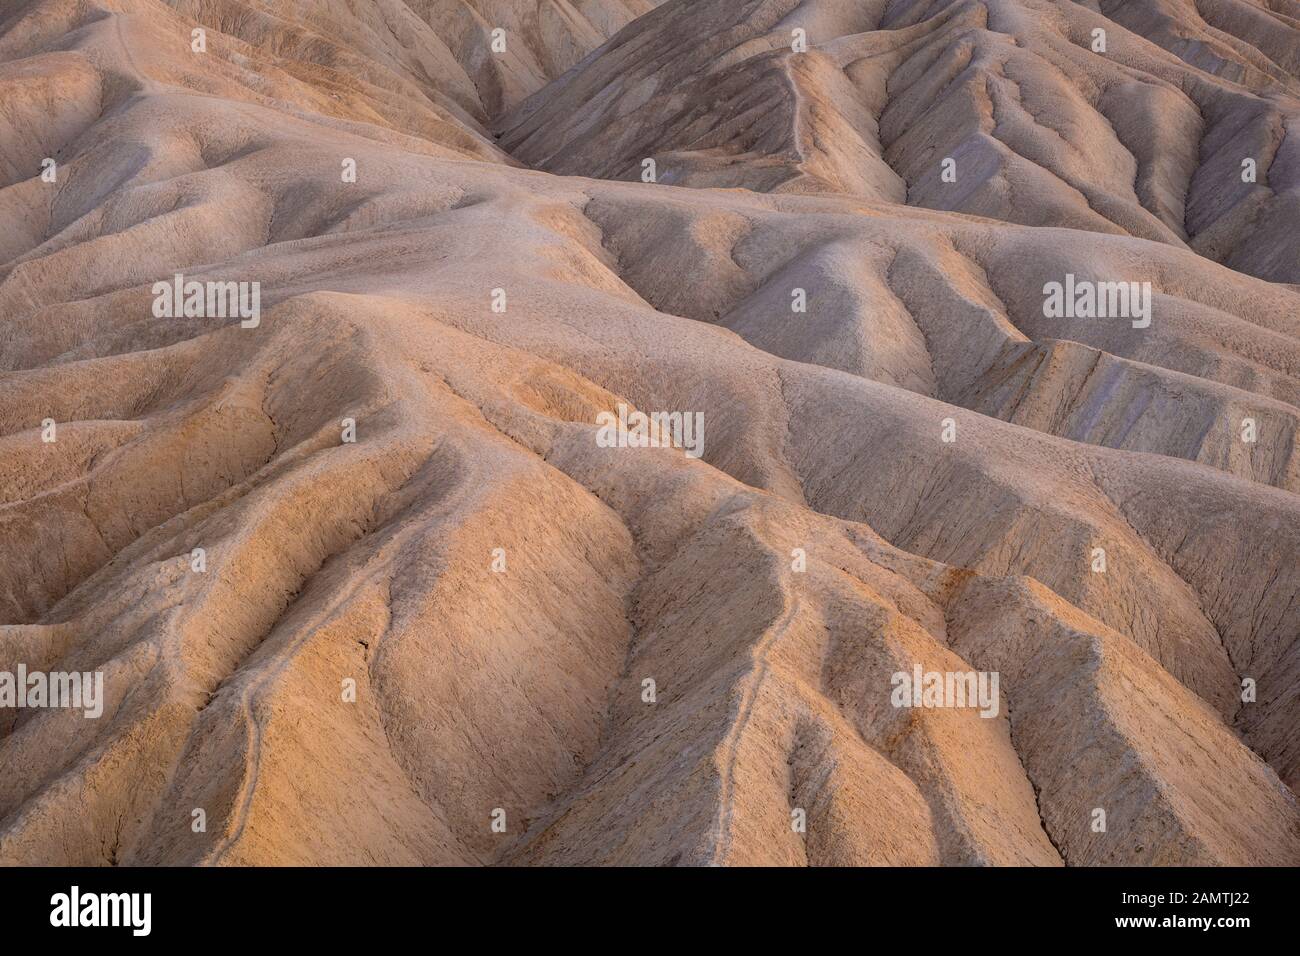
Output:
x=606 y=432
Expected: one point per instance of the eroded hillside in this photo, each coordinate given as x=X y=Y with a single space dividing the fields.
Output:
x=364 y=578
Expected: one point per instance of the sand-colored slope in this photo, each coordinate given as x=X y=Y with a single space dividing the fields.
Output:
x=1165 y=770
x=495 y=588
x=1009 y=109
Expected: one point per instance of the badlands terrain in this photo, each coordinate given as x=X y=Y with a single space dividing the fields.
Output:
x=366 y=579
